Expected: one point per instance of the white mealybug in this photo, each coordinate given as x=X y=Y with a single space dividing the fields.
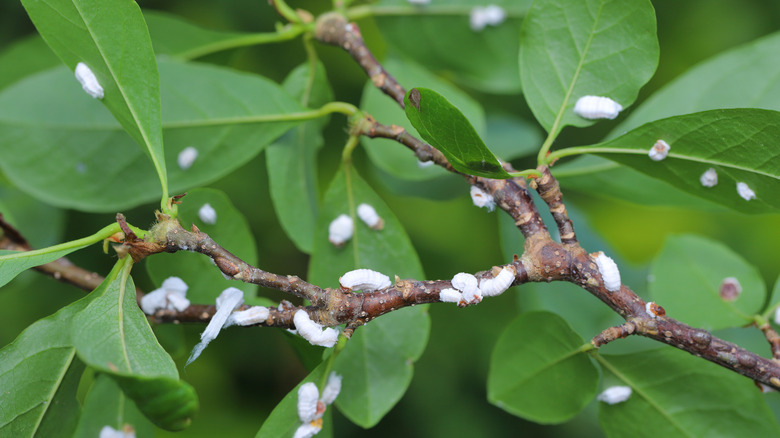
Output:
x=597 y=107
x=745 y=191
x=490 y=15
x=207 y=214
x=615 y=394
x=332 y=389
x=186 y=157
x=308 y=430
x=777 y=316
x=730 y=289
x=609 y=272
x=340 y=230
x=659 y=151
x=313 y=332
x=109 y=432
x=368 y=215
x=450 y=296
x=250 y=316
x=422 y=164
x=308 y=396
x=480 y=198
x=469 y=287
x=491 y=287
x=365 y=280
x=653 y=310
x=227 y=302
x=709 y=178
x=171 y=295
x=88 y=81
x=419 y=2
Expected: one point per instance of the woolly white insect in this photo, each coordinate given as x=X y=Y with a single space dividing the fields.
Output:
x=659 y=151
x=186 y=157
x=481 y=198
x=597 y=107
x=207 y=214
x=609 y=272
x=422 y=164
x=312 y=331
x=110 y=432
x=491 y=287
x=227 y=302
x=709 y=178
x=308 y=396
x=490 y=15
x=469 y=286
x=171 y=295
x=368 y=215
x=654 y=310
x=332 y=389
x=340 y=230
x=745 y=191
x=250 y=316
x=365 y=280
x=450 y=296
x=730 y=289
x=88 y=81
x=615 y=394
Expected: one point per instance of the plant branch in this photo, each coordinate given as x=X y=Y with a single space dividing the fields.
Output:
x=550 y=191
x=334 y=29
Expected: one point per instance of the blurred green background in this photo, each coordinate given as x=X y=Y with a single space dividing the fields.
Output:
x=244 y=373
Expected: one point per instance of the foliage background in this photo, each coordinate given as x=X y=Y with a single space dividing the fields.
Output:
x=242 y=376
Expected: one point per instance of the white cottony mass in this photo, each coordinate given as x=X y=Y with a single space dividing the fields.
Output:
x=88 y=81
x=597 y=107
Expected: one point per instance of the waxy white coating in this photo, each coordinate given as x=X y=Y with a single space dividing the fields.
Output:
x=609 y=272
x=597 y=107
x=340 y=230
x=313 y=332
x=88 y=81
x=365 y=280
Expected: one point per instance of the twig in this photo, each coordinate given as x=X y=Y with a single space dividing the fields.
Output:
x=334 y=29
x=550 y=191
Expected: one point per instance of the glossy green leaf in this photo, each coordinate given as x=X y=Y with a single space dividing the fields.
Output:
x=25 y=57
x=231 y=230
x=37 y=368
x=14 y=262
x=389 y=155
x=123 y=62
x=665 y=403
x=107 y=405
x=538 y=370
x=380 y=355
x=284 y=420
x=173 y=36
x=740 y=144
x=687 y=277
x=745 y=77
x=113 y=336
x=597 y=176
x=438 y=35
x=510 y=136
x=292 y=160
x=571 y=48
x=84 y=160
x=442 y=125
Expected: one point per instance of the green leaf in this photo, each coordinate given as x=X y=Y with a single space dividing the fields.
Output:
x=661 y=406
x=687 y=277
x=380 y=355
x=231 y=230
x=38 y=368
x=510 y=136
x=538 y=370
x=443 y=126
x=112 y=335
x=745 y=77
x=597 y=176
x=292 y=160
x=740 y=144
x=84 y=160
x=570 y=49
x=438 y=35
x=178 y=38
x=388 y=155
x=24 y=57
x=14 y=262
x=123 y=62
x=41 y=224
x=106 y=405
